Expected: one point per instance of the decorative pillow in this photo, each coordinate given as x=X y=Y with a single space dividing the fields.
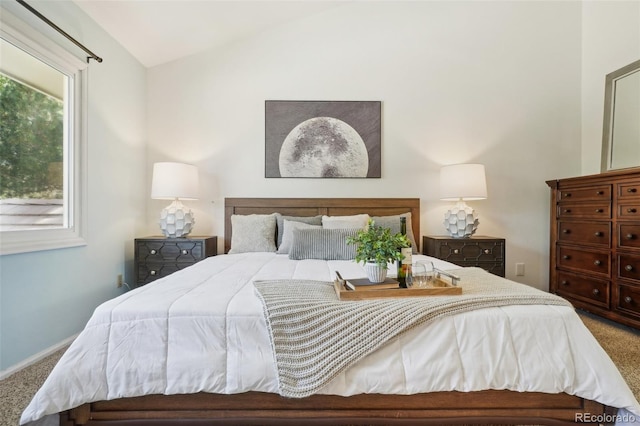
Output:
x=325 y=244
x=311 y=220
x=340 y=222
x=254 y=232
x=287 y=236
x=393 y=223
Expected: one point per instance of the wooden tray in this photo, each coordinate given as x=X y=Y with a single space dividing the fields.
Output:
x=439 y=287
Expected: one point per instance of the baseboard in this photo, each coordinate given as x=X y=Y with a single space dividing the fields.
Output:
x=37 y=357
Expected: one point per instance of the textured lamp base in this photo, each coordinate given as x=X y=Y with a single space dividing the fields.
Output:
x=461 y=221
x=176 y=220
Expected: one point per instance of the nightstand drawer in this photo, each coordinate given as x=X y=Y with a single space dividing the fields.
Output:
x=485 y=252
x=157 y=257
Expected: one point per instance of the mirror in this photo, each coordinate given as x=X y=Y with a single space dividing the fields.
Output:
x=621 y=130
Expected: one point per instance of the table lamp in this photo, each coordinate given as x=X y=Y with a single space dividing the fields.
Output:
x=460 y=182
x=175 y=181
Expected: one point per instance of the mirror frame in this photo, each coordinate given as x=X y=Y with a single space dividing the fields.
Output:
x=609 y=102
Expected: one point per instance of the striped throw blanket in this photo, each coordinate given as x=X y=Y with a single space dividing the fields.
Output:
x=315 y=335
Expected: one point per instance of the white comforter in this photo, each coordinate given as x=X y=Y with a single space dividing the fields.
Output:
x=203 y=329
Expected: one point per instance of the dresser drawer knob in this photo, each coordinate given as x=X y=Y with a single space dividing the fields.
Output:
x=631 y=210
x=567 y=210
x=152 y=273
x=596 y=291
x=566 y=194
x=153 y=251
x=566 y=257
x=628 y=299
x=598 y=234
x=456 y=251
x=564 y=282
x=632 y=190
x=599 y=210
x=629 y=236
x=597 y=263
x=628 y=268
x=185 y=251
x=566 y=231
x=599 y=192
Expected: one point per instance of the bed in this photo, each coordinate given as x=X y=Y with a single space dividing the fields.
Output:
x=564 y=378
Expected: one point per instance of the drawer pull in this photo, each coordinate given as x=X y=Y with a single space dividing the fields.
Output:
x=567 y=210
x=566 y=257
x=456 y=251
x=566 y=194
x=564 y=282
x=631 y=210
x=152 y=273
x=487 y=251
x=596 y=292
x=628 y=299
x=566 y=231
x=632 y=190
x=628 y=268
x=599 y=192
x=599 y=210
x=598 y=234
x=597 y=263
x=629 y=236
x=185 y=252
x=153 y=251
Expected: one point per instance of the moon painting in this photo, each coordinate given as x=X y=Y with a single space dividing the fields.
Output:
x=323 y=147
x=322 y=139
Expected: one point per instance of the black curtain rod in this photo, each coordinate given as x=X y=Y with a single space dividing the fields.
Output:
x=58 y=29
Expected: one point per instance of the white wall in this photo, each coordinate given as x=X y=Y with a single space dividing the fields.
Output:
x=610 y=40
x=491 y=82
x=47 y=296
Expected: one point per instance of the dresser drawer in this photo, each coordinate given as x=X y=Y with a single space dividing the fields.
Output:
x=592 y=233
x=585 y=211
x=591 y=193
x=629 y=267
x=586 y=289
x=629 y=235
x=629 y=210
x=584 y=260
x=628 y=190
x=628 y=300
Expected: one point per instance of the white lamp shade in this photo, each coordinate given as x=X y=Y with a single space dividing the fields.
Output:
x=463 y=182
x=174 y=181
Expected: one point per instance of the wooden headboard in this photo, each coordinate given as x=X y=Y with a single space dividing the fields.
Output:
x=320 y=206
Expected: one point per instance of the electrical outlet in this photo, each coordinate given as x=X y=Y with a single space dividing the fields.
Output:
x=120 y=281
x=519 y=269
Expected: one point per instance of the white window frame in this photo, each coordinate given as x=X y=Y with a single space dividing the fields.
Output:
x=24 y=36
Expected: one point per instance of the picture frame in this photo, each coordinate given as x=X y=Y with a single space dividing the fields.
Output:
x=322 y=139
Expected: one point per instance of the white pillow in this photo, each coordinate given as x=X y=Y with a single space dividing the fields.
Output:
x=254 y=232
x=341 y=222
x=287 y=234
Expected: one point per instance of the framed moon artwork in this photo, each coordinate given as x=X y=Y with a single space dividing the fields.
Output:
x=322 y=139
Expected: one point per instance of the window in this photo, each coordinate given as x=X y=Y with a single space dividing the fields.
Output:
x=41 y=142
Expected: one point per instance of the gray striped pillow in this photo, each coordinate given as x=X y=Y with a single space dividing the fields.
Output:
x=321 y=243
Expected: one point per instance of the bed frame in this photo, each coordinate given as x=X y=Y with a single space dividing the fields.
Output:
x=257 y=408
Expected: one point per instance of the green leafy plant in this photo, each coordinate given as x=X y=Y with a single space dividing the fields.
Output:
x=377 y=244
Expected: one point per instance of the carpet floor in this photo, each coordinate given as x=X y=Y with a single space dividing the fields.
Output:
x=620 y=342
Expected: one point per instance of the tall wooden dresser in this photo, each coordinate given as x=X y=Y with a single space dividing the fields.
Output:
x=595 y=243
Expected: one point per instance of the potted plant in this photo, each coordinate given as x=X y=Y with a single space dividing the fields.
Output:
x=376 y=248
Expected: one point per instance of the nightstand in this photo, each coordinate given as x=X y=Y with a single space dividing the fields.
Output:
x=484 y=252
x=157 y=257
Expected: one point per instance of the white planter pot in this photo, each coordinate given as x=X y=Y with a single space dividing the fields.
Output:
x=375 y=272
